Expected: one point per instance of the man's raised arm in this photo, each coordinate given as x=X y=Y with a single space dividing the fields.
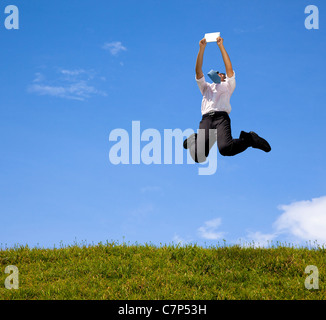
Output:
x=200 y=58
x=226 y=58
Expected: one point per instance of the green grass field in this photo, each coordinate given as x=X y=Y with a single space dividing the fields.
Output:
x=125 y=272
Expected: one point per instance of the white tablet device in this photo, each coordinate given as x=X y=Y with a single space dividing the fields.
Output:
x=211 y=37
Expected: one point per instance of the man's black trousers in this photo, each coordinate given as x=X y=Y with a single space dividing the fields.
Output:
x=216 y=126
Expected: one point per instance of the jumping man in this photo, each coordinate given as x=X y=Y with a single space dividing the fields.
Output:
x=215 y=108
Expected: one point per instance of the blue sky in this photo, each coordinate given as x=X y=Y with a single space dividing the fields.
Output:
x=76 y=70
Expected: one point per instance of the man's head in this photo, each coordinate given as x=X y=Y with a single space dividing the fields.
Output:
x=216 y=76
x=222 y=76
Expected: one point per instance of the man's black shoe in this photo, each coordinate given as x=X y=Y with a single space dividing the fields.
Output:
x=259 y=143
x=185 y=143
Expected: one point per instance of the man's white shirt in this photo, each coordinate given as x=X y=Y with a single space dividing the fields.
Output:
x=216 y=97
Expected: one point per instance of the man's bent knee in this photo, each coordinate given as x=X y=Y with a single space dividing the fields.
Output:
x=225 y=150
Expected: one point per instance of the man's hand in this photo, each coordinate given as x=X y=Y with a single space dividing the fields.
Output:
x=219 y=41
x=202 y=43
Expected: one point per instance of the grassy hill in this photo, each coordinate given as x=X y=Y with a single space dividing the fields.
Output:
x=120 y=271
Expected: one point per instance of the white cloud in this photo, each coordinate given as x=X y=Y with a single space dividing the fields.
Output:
x=301 y=221
x=305 y=220
x=47 y=90
x=114 y=47
x=73 y=85
x=208 y=230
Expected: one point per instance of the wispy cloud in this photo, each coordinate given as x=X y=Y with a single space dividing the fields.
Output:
x=114 y=47
x=142 y=211
x=73 y=72
x=180 y=241
x=209 y=230
x=259 y=239
x=38 y=77
x=65 y=83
